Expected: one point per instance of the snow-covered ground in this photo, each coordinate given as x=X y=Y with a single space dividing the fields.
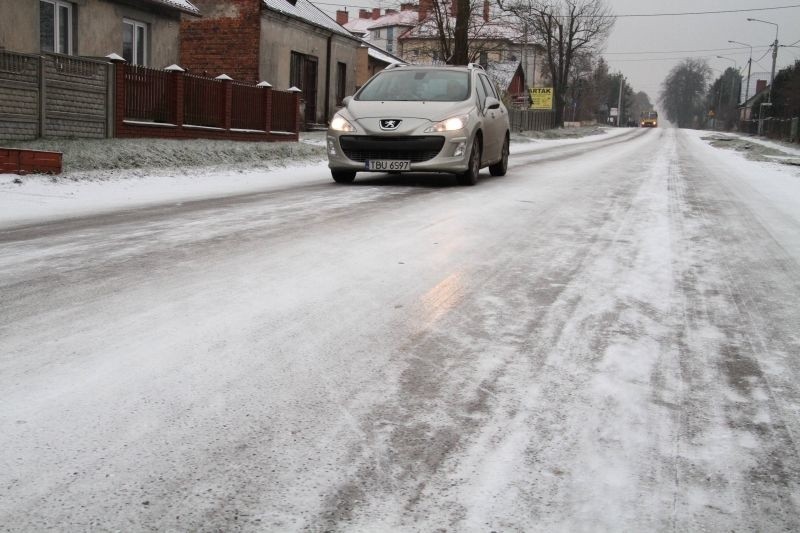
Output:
x=604 y=339
x=99 y=185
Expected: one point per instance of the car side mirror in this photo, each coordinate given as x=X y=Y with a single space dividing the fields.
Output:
x=346 y=100
x=492 y=103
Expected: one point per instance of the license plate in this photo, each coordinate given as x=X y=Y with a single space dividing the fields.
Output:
x=383 y=165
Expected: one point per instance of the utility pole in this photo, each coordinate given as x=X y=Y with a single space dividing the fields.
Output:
x=619 y=103
x=771 y=77
x=749 y=65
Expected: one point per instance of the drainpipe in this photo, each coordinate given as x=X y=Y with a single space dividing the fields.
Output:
x=328 y=80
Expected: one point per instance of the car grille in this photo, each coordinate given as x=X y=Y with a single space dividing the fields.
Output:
x=414 y=149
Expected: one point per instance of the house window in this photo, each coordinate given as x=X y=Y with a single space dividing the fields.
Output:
x=55 y=26
x=134 y=42
x=341 y=82
x=376 y=34
x=389 y=39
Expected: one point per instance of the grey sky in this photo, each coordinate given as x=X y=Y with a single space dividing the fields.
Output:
x=654 y=35
x=646 y=71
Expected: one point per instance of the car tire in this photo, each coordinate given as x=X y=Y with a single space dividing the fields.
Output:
x=501 y=167
x=470 y=176
x=343 y=176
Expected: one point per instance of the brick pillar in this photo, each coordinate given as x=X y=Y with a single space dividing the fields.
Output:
x=177 y=94
x=267 y=95
x=119 y=94
x=227 y=100
x=297 y=119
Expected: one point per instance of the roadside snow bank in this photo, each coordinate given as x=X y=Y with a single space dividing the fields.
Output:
x=111 y=174
x=755 y=148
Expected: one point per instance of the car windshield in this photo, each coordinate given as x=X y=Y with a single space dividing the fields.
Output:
x=416 y=86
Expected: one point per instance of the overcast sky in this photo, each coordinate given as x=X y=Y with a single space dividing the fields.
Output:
x=653 y=45
x=646 y=69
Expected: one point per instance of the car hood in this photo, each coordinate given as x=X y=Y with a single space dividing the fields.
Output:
x=432 y=111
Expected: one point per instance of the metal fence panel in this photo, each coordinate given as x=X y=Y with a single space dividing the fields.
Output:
x=247 y=107
x=203 y=102
x=148 y=93
x=283 y=111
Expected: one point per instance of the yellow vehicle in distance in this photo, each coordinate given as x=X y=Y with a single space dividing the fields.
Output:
x=649 y=119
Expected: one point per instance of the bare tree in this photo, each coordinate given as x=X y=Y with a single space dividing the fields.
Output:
x=459 y=33
x=683 y=92
x=564 y=28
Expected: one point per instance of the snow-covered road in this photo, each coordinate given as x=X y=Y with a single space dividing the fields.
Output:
x=605 y=339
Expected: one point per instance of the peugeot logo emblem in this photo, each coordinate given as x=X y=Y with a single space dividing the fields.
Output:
x=389 y=123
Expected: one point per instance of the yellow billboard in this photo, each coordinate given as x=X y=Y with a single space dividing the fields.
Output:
x=541 y=98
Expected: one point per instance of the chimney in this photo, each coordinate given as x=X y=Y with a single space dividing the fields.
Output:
x=425 y=7
x=376 y=13
x=408 y=6
x=341 y=17
x=364 y=14
x=760 y=85
x=486 y=10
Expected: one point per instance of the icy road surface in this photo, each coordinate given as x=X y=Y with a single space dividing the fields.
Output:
x=606 y=339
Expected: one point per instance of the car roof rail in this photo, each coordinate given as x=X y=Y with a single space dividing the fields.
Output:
x=396 y=65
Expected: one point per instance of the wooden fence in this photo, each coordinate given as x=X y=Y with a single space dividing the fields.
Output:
x=786 y=129
x=530 y=120
x=160 y=103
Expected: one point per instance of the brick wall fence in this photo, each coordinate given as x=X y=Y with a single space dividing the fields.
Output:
x=53 y=95
x=173 y=104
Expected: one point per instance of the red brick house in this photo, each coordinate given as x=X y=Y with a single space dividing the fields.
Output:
x=283 y=43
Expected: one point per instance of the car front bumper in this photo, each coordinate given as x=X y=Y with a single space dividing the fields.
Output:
x=439 y=152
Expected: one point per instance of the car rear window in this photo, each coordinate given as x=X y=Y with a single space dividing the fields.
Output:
x=417 y=85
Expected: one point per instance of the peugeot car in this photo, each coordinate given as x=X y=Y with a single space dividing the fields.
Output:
x=421 y=119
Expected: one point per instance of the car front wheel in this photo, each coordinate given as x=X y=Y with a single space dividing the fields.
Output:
x=501 y=167
x=343 y=176
x=470 y=176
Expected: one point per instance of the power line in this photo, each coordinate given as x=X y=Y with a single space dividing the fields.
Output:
x=685 y=51
x=679 y=14
x=628 y=15
x=656 y=59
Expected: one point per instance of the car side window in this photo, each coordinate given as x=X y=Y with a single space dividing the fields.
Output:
x=481 y=90
x=489 y=86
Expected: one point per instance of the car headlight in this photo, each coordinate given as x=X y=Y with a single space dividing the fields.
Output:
x=450 y=124
x=339 y=123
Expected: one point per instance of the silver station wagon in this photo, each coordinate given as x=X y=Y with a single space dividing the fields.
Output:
x=421 y=119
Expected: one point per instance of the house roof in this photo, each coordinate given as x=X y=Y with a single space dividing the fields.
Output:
x=382 y=55
x=183 y=5
x=359 y=26
x=409 y=17
x=502 y=72
x=307 y=12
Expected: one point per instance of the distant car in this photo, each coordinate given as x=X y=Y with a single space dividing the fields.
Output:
x=421 y=119
x=649 y=119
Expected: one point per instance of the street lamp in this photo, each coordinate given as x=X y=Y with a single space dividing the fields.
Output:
x=774 y=53
x=749 y=65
